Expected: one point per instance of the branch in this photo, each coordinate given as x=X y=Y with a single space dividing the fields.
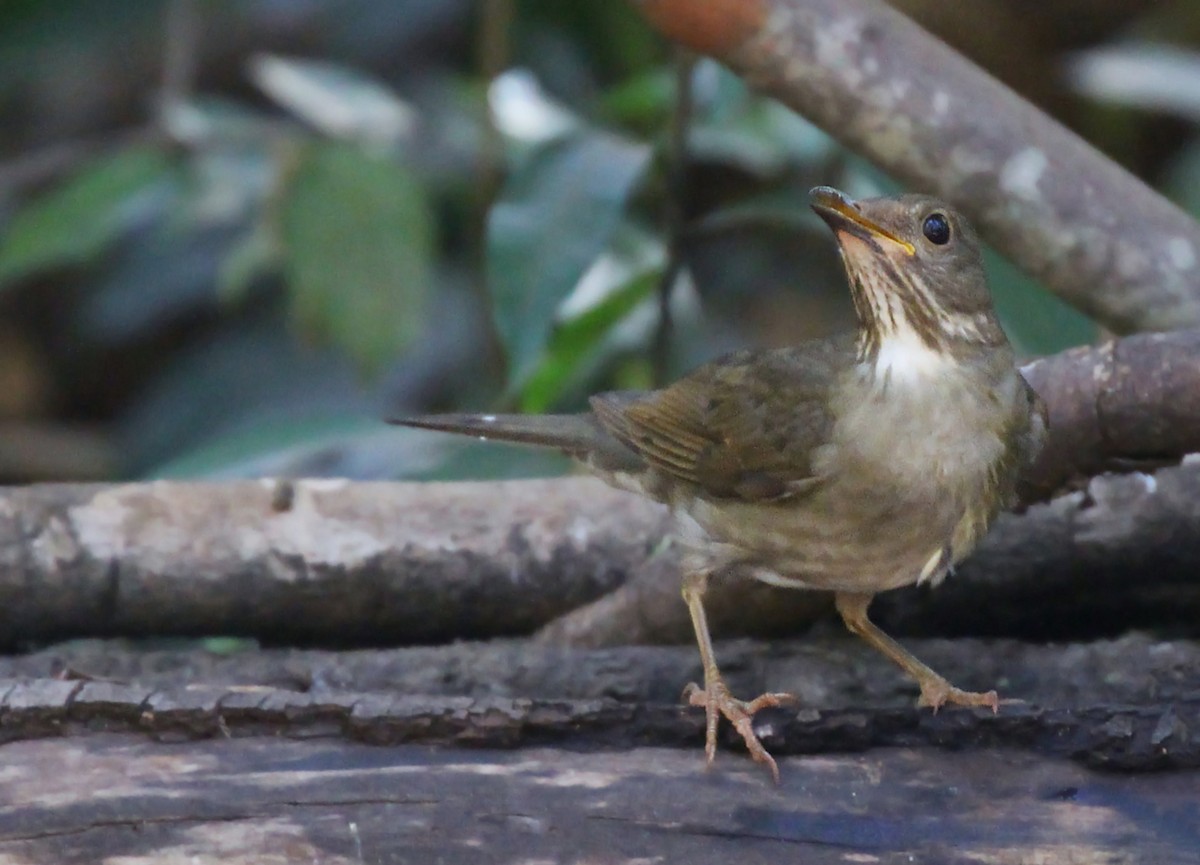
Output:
x=339 y=563
x=1129 y=401
x=1122 y=553
x=1126 y=704
x=318 y=561
x=363 y=564
x=1096 y=235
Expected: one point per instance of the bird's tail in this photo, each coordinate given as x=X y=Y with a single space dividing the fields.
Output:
x=575 y=434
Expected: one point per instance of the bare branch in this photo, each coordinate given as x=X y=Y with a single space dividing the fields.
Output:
x=348 y=563
x=335 y=562
x=1113 y=406
x=1095 y=234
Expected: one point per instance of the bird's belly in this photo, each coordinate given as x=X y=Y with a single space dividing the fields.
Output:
x=840 y=540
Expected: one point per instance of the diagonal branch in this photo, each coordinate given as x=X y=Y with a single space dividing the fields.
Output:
x=1095 y=234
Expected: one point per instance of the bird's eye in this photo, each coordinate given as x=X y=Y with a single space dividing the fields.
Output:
x=936 y=228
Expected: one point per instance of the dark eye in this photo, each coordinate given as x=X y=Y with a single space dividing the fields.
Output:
x=936 y=228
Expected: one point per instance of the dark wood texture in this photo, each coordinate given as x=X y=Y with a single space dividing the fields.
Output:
x=269 y=800
x=1132 y=703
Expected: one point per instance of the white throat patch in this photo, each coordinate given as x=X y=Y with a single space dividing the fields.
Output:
x=905 y=358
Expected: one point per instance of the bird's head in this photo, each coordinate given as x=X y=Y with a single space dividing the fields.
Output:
x=915 y=271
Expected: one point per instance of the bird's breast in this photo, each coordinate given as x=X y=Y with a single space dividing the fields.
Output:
x=909 y=481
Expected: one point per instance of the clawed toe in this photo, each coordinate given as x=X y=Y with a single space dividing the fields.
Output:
x=717 y=700
x=936 y=693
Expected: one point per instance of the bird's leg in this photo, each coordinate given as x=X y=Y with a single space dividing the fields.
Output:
x=935 y=690
x=715 y=696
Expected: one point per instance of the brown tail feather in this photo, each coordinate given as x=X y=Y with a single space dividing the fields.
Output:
x=574 y=434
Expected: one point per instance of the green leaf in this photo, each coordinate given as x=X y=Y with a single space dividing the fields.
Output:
x=645 y=99
x=555 y=215
x=579 y=340
x=1035 y=320
x=357 y=238
x=252 y=255
x=75 y=221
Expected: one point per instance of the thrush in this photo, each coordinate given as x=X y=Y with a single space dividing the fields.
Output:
x=854 y=464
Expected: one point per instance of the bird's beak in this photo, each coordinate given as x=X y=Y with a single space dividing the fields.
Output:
x=844 y=216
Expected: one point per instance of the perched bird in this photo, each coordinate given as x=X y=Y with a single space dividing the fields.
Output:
x=854 y=464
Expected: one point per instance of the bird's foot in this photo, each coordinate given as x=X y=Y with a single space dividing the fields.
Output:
x=717 y=701
x=937 y=692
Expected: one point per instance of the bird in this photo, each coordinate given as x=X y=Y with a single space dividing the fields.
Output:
x=854 y=463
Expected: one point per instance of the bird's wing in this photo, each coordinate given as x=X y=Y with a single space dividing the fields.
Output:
x=744 y=427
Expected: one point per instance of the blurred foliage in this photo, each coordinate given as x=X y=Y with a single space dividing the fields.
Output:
x=76 y=221
x=221 y=259
x=554 y=217
x=356 y=243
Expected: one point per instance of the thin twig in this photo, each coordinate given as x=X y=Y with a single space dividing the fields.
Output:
x=674 y=215
x=180 y=38
x=494 y=52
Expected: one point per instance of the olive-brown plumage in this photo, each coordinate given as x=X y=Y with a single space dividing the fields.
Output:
x=856 y=463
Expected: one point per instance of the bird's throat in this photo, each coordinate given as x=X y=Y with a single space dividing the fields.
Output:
x=903 y=356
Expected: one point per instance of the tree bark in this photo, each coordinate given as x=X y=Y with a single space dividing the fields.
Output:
x=338 y=563
x=366 y=564
x=289 y=802
x=315 y=561
x=1130 y=704
x=1096 y=235
x=1127 y=402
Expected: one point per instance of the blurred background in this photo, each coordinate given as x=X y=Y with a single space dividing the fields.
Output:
x=234 y=236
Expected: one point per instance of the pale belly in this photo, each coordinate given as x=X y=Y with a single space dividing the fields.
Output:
x=878 y=527
x=903 y=491
x=823 y=546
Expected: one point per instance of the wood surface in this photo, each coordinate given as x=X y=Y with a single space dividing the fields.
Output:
x=128 y=799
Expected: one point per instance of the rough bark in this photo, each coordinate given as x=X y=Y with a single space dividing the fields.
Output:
x=1095 y=234
x=1103 y=735
x=515 y=751
x=827 y=670
x=363 y=564
x=267 y=800
x=1130 y=704
x=1128 y=401
x=314 y=561
x=341 y=563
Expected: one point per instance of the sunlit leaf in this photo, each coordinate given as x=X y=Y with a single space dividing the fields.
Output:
x=555 y=215
x=76 y=220
x=523 y=111
x=339 y=101
x=575 y=340
x=357 y=237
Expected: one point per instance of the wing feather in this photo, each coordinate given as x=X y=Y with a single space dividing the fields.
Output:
x=745 y=426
